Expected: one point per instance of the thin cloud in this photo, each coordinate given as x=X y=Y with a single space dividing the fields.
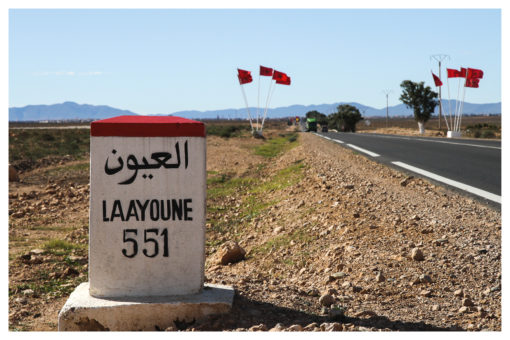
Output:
x=67 y=73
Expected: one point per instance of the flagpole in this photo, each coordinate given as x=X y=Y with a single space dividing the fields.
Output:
x=258 y=102
x=267 y=103
x=462 y=105
x=449 y=101
x=267 y=106
x=446 y=120
x=457 y=103
x=440 y=102
x=247 y=108
x=439 y=58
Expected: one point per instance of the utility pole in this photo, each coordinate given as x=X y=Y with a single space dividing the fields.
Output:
x=439 y=58
x=387 y=92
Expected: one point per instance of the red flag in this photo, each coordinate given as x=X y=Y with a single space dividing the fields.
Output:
x=437 y=81
x=266 y=71
x=244 y=76
x=473 y=73
x=463 y=72
x=284 y=81
x=453 y=73
x=278 y=75
x=472 y=82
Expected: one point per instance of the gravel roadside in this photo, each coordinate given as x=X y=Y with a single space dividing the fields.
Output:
x=388 y=251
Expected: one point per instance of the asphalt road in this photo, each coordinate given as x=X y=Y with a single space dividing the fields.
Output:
x=471 y=166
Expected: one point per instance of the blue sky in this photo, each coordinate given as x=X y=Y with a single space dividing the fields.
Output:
x=167 y=60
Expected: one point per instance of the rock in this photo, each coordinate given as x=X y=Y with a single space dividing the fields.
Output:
x=258 y=328
x=426 y=293
x=277 y=230
x=326 y=300
x=78 y=259
x=21 y=300
x=37 y=252
x=365 y=313
x=27 y=292
x=13 y=174
x=436 y=308
x=338 y=275
x=459 y=293
x=380 y=277
x=417 y=254
x=336 y=312
x=27 y=257
x=313 y=292
x=230 y=252
x=463 y=309
x=467 y=302
x=70 y=272
x=425 y=278
x=481 y=312
x=348 y=186
x=331 y=291
x=311 y=327
x=277 y=328
x=295 y=328
x=333 y=327
x=415 y=282
x=356 y=289
x=440 y=241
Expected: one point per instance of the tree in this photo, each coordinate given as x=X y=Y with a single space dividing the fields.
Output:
x=421 y=99
x=321 y=117
x=345 y=119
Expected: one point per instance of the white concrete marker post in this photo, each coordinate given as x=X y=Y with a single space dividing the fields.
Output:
x=453 y=134
x=147 y=228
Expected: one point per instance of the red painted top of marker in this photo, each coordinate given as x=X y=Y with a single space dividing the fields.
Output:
x=147 y=126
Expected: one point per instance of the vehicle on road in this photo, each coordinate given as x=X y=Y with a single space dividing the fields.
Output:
x=311 y=124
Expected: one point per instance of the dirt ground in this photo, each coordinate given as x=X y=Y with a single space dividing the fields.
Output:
x=333 y=241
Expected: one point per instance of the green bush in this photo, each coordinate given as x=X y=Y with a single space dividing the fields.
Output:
x=225 y=131
x=38 y=143
x=488 y=134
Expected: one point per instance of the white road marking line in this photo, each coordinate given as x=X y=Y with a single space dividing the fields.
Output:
x=331 y=139
x=370 y=153
x=433 y=141
x=459 y=185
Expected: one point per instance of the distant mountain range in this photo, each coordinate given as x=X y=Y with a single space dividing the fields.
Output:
x=64 y=111
x=74 y=111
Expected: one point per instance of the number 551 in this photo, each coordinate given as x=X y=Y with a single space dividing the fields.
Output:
x=150 y=236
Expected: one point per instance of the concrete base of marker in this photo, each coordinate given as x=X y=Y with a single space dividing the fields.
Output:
x=83 y=312
x=453 y=134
